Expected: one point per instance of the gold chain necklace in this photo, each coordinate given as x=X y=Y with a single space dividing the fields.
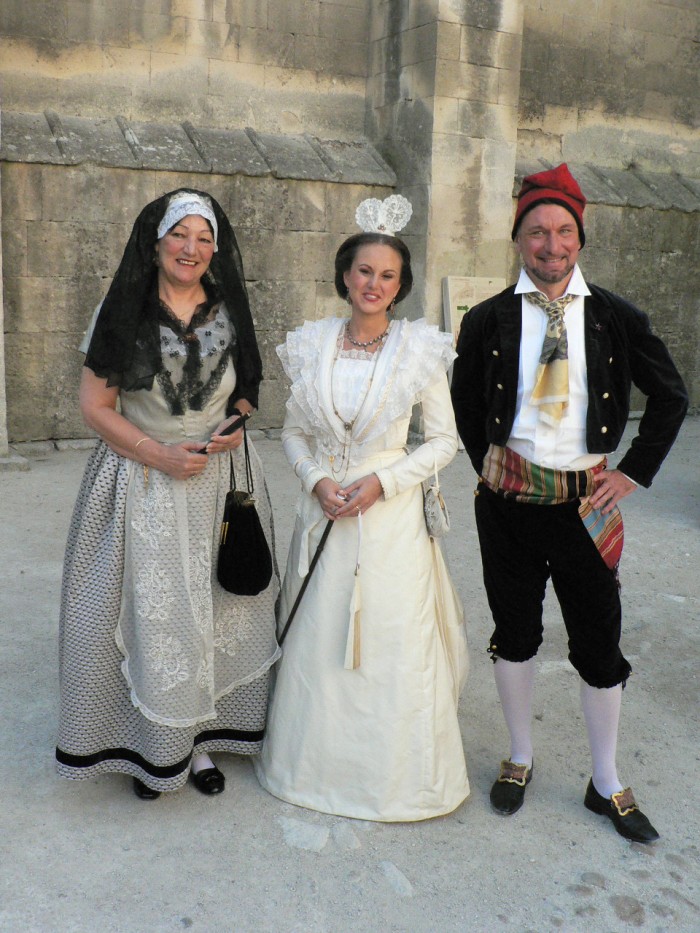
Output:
x=349 y=425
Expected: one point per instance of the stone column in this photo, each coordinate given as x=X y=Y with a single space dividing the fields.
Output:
x=8 y=461
x=443 y=107
x=4 y=449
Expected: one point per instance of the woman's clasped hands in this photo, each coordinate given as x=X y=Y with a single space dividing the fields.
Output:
x=189 y=458
x=349 y=501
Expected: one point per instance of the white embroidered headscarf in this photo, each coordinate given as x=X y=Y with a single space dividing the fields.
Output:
x=184 y=204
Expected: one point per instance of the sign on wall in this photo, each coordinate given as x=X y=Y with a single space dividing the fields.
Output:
x=460 y=293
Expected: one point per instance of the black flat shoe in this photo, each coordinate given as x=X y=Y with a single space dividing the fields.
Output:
x=208 y=781
x=144 y=791
x=622 y=809
x=508 y=791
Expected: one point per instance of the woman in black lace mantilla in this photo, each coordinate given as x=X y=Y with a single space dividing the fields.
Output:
x=159 y=665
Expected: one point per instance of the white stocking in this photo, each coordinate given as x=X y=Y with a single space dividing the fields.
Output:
x=601 y=710
x=515 y=681
x=200 y=762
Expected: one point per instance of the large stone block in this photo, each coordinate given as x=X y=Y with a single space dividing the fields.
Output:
x=40 y=305
x=14 y=245
x=354 y=162
x=664 y=19
x=469 y=82
x=201 y=10
x=60 y=249
x=276 y=204
x=163 y=147
x=290 y=156
x=158 y=32
x=479 y=46
x=604 y=225
x=103 y=23
x=65 y=365
x=93 y=194
x=281 y=305
x=453 y=211
x=298 y=17
x=455 y=160
x=273 y=396
x=419 y=45
x=269 y=254
x=317 y=251
x=38 y=405
x=484 y=14
x=628 y=44
x=212 y=40
x=22 y=191
x=319 y=53
x=234 y=79
x=508 y=87
x=27 y=137
x=267 y=47
x=328 y=303
x=91 y=141
x=229 y=152
x=672 y=192
x=343 y=21
x=599 y=263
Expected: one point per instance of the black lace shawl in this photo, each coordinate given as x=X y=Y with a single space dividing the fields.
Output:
x=125 y=345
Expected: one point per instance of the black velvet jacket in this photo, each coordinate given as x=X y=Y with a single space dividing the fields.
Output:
x=620 y=350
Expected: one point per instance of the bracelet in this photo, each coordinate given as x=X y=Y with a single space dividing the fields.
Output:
x=143 y=439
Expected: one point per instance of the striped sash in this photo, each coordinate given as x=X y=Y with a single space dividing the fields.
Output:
x=509 y=475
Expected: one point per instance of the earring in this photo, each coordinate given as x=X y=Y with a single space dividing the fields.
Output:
x=347 y=297
x=391 y=310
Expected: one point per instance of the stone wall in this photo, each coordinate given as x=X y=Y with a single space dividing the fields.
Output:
x=110 y=102
x=616 y=79
x=280 y=66
x=59 y=259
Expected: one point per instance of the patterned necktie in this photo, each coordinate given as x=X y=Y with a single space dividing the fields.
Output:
x=551 y=392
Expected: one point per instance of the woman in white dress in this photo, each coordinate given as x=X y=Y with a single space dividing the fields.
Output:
x=363 y=720
x=159 y=666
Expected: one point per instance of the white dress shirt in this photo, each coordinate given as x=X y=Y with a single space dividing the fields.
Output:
x=562 y=447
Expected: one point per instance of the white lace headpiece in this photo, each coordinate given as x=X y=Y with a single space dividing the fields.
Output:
x=183 y=204
x=387 y=216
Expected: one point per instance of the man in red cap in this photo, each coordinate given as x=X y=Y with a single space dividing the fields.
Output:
x=541 y=392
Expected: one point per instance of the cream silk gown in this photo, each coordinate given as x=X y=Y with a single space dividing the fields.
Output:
x=363 y=721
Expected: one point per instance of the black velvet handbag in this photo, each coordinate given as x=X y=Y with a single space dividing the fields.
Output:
x=244 y=565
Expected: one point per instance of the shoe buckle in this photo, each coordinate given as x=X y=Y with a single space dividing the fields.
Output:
x=624 y=802
x=513 y=773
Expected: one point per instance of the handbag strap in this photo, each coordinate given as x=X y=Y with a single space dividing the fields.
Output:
x=248 y=468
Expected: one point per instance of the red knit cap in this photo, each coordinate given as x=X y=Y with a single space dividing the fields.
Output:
x=556 y=184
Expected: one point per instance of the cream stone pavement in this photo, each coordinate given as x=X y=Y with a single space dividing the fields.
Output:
x=90 y=856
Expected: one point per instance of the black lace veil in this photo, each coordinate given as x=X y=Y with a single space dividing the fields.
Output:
x=125 y=344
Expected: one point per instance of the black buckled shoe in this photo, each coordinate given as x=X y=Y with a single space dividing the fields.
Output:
x=622 y=809
x=144 y=792
x=208 y=781
x=508 y=791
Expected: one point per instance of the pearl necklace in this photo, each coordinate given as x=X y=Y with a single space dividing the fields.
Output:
x=366 y=343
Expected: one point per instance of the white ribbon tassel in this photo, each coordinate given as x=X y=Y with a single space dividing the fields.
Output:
x=352 y=645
